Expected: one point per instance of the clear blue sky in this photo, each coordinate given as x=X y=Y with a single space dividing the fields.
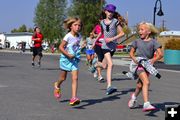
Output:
x=14 y=13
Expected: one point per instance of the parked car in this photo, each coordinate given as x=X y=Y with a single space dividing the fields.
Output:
x=45 y=47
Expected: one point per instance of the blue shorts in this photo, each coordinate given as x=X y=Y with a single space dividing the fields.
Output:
x=68 y=64
x=90 y=52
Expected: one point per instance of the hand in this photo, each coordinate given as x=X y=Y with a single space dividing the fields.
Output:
x=107 y=40
x=70 y=56
x=135 y=61
x=152 y=61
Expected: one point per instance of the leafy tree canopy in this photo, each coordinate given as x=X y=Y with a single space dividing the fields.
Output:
x=49 y=16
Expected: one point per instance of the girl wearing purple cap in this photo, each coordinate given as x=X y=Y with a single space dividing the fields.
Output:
x=112 y=32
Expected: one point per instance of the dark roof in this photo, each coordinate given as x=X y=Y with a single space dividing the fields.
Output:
x=18 y=34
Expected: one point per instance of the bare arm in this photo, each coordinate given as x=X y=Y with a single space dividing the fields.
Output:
x=96 y=39
x=84 y=44
x=61 y=48
x=119 y=35
x=158 y=56
x=132 y=55
x=35 y=39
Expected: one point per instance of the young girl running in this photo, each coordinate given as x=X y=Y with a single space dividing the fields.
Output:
x=69 y=59
x=89 y=50
x=144 y=47
x=112 y=31
x=97 y=48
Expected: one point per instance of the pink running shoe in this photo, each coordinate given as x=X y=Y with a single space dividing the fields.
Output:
x=148 y=107
x=57 y=91
x=74 y=101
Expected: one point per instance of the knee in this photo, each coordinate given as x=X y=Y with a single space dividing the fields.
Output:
x=104 y=66
x=139 y=85
x=110 y=65
x=62 y=79
x=75 y=78
x=146 y=82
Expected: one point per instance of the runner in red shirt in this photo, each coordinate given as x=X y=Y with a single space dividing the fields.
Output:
x=37 y=38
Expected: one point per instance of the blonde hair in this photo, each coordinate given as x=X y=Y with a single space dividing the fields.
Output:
x=151 y=27
x=91 y=33
x=69 y=21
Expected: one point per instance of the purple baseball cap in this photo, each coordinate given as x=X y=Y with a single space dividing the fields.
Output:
x=110 y=7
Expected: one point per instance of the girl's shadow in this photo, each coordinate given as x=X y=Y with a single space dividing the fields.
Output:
x=101 y=100
x=160 y=107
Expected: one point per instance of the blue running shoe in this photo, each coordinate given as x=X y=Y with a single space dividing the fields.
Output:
x=110 y=90
x=92 y=69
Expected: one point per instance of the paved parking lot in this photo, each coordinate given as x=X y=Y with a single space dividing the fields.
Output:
x=27 y=93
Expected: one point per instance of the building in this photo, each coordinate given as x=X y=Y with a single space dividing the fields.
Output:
x=13 y=40
x=2 y=41
x=165 y=36
x=170 y=34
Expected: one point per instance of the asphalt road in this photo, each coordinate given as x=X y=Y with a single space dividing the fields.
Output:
x=26 y=93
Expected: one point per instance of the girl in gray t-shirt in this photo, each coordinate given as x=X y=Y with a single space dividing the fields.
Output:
x=144 y=47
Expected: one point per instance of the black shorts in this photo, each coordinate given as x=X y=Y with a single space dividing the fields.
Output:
x=98 y=50
x=37 y=51
x=110 y=51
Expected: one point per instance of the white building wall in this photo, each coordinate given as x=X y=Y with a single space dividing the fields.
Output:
x=14 y=40
x=2 y=40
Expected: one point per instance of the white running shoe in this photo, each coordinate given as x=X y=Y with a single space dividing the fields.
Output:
x=132 y=102
x=100 y=79
x=148 y=107
x=95 y=74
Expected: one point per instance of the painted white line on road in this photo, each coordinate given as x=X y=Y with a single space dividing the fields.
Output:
x=127 y=63
x=166 y=70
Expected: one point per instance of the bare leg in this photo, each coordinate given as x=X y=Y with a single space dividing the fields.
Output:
x=74 y=83
x=138 y=88
x=88 y=57
x=62 y=77
x=145 y=80
x=109 y=68
x=33 y=58
x=102 y=64
x=91 y=59
x=99 y=71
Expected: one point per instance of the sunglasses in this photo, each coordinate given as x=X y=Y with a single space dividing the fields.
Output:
x=107 y=28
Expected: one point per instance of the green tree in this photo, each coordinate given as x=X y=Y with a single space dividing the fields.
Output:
x=88 y=11
x=14 y=30
x=30 y=30
x=22 y=28
x=126 y=31
x=49 y=16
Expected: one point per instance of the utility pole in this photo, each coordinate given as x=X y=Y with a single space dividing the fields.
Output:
x=126 y=17
x=163 y=25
